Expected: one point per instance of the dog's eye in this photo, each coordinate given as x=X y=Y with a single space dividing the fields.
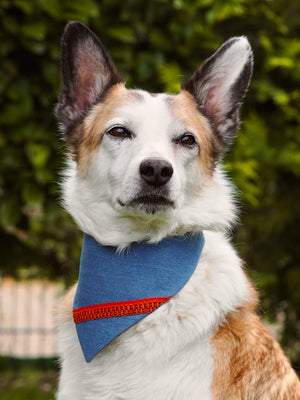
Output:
x=187 y=140
x=119 y=132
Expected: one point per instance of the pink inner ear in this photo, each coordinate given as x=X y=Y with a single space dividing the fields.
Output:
x=86 y=91
x=213 y=101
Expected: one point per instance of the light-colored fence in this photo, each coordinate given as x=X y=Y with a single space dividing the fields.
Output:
x=27 y=327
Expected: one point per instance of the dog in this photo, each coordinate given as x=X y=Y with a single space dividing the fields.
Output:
x=144 y=168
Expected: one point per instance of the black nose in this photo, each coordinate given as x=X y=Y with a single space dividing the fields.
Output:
x=156 y=172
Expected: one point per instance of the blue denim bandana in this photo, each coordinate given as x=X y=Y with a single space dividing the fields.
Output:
x=116 y=290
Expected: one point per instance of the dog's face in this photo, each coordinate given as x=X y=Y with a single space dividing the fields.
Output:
x=144 y=151
x=146 y=164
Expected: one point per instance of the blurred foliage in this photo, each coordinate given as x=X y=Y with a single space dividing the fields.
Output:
x=155 y=44
x=32 y=380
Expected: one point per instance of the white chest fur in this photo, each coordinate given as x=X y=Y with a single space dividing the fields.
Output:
x=168 y=355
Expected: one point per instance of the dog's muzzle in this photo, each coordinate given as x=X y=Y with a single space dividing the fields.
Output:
x=153 y=197
x=154 y=189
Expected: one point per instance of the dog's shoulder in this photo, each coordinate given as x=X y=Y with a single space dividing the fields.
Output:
x=65 y=307
x=247 y=358
x=248 y=361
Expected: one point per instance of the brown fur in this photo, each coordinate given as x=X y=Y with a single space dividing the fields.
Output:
x=185 y=108
x=249 y=363
x=93 y=125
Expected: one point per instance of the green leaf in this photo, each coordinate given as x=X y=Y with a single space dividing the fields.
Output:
x=9 y=211
x=82 y=10
x=122 y=33
x=53 y=7
x=25 y=5
x=38 y=154
x=280 y=62
x=170 y=76
x=35 y=30
x=32 y=194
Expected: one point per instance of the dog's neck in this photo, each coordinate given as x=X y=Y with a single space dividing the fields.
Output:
x=144 y=273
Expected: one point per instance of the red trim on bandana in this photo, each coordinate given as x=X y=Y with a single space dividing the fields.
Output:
x=117 y=309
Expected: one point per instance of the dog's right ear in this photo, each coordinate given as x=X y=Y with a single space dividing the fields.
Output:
x=87 y=73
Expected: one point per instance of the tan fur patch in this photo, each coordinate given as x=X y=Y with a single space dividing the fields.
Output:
x=248 y=362
x=94 y=124
x=185 y=108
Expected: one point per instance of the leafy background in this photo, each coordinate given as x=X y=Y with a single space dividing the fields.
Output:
x=155 y=44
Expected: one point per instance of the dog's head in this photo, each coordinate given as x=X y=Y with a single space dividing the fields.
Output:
x=142 y=165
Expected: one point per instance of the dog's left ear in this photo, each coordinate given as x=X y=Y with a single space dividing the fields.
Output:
x=219 y=86
x=87 y=73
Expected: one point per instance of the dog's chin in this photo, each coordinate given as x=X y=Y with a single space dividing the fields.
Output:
x=149 y=204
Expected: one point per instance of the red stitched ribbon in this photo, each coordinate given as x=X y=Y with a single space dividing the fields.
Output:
x=117 y=309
